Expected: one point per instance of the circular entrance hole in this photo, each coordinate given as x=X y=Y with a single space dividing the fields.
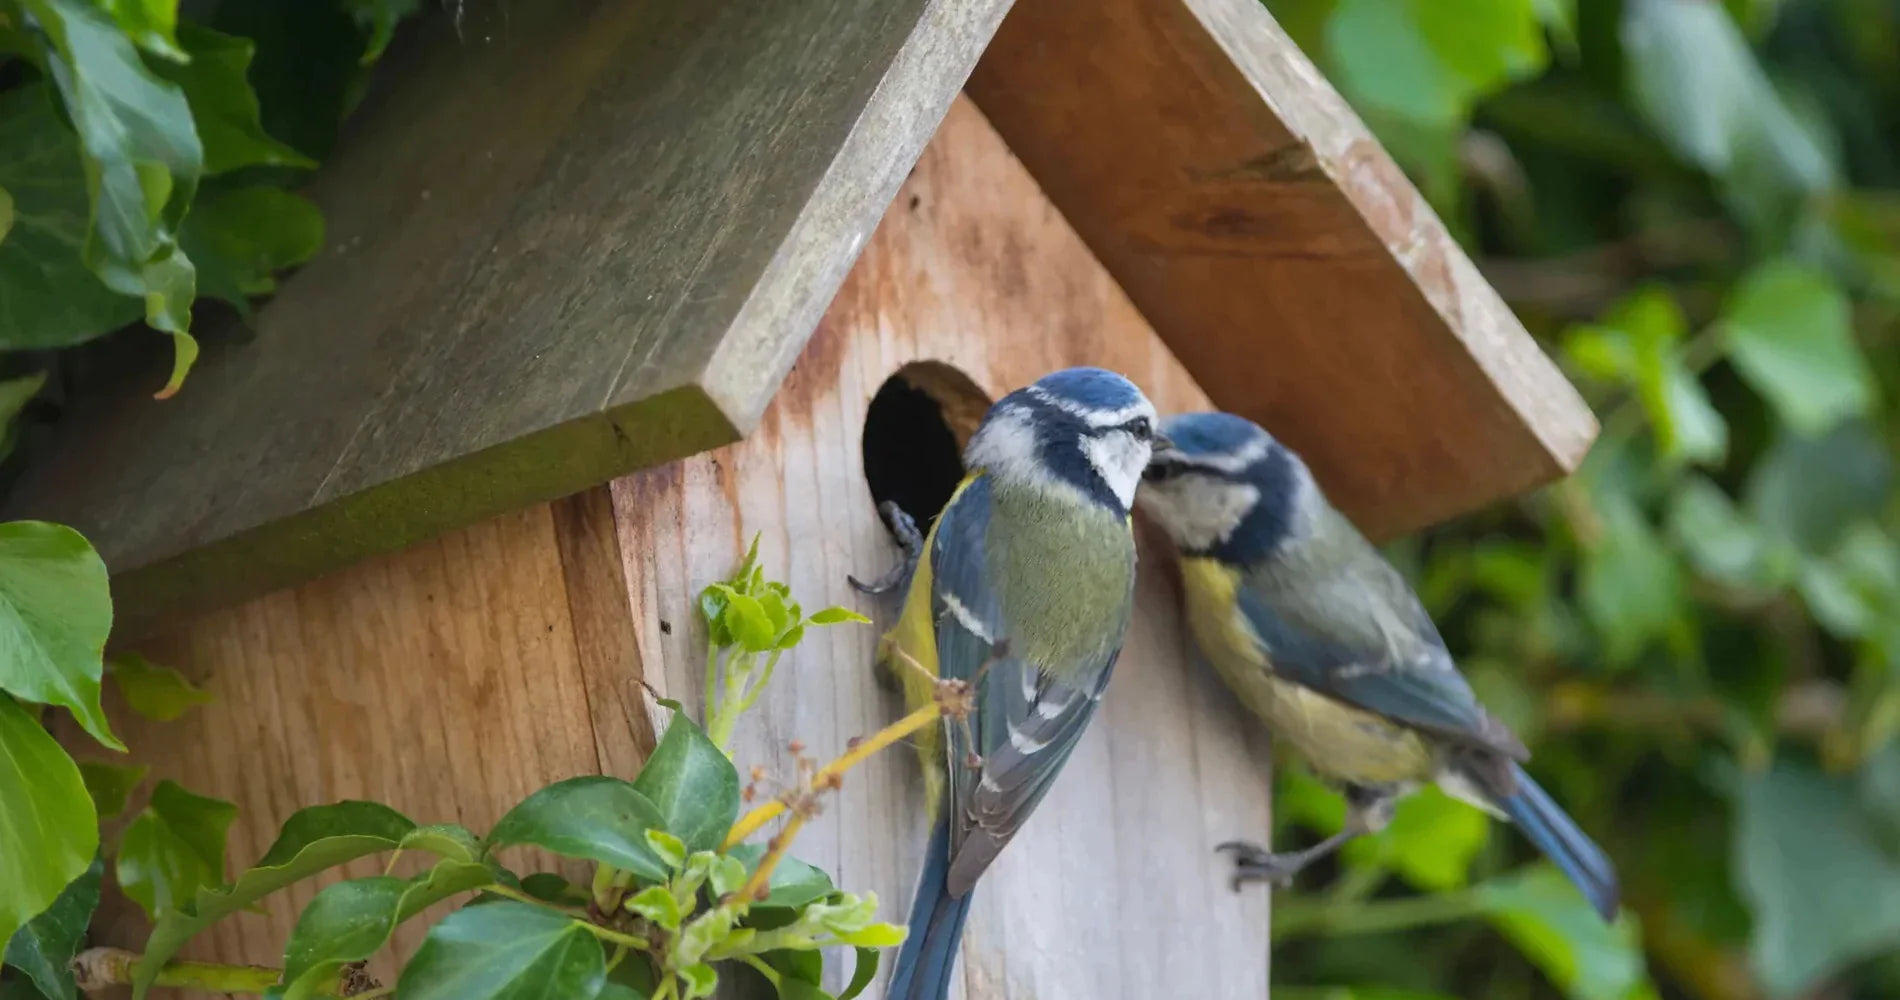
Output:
x=914 y=433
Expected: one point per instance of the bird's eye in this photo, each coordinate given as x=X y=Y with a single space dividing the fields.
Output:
x=1140 y=427
x=1158 y=472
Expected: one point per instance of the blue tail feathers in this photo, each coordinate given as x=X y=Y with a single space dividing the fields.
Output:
x=1557 y=835
x=929 y=954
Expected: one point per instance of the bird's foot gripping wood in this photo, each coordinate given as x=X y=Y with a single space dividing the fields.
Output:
x=1254 y=863
x=910 y=541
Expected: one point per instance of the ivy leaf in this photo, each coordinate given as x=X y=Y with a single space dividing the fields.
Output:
x=693 y=784
x=750 y=626
x=505 y=951
x=142 y=162
x=46 y=819
x=241 y=237
x=656 y=903
x=444 y=840
x=862 y=973
x=551 y=888
x=152 y=24
x=1720 y=542
x=110 y=785
x=1806 y=491
x=835 y=615
x=1631 y=587
x=1431 y=841
x=1790 y=335
x=45 y=947
x=1426 y=61
x=1639 y=345
x=1554 y=927
x=55 y=612
x=350 y=921
x=1811 y=867
x=157 y=693
x=48 y=297
x=594 y=817
x=312 y=840
x=793 y=883
x=379 y=18
x=174 y=848
x=223 y=105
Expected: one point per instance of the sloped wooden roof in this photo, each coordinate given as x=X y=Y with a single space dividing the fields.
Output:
x=592 y=238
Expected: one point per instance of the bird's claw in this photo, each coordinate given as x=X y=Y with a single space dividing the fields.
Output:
x=1254 y=863
x=910 y=541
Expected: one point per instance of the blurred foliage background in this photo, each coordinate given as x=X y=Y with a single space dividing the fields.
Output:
x=1692 y=204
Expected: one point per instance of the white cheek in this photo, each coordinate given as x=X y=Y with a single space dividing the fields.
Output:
x=1119 y=459
x=1199 y=512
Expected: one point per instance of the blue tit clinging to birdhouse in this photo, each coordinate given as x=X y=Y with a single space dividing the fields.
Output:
x=1319 y=635
x=1023 y=589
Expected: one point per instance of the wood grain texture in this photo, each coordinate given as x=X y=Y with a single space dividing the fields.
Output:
x=565 y=241
x=974 y=268
x=1279 y=252
x=448 y=681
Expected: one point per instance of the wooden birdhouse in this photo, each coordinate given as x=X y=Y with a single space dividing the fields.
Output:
x=613 y=287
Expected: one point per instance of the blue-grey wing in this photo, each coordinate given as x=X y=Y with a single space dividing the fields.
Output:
x=1025 y=723
x=1340 y=647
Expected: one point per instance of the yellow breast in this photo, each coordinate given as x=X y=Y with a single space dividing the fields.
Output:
x=1336 y=740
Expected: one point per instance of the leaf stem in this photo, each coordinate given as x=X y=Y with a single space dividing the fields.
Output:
x=758 y=965
x=612 y=936
x=522 y=897
x=904 y=727
x=753 y=691
x=98 y=968
x=1295 y=918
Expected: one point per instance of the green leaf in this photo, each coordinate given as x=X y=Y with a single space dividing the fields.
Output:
x=46 y=819
x=1823 y=892
x=1639 y=345
x=444 y=840
x=551 y=888
x=312 y=840
x=1720 y=542
x=174 y=848
x=693 y=784
x=379 y=18
x=1552 y=924
x=656 y=903
x=835 y=615
x=793 y=883
x=1431 y=841
x=1428 y=61
x=110 y=785
x=223 y=105
x=611 y=991
x=712 y=607
x=701 y=980
x=751 y=627
x=48 y=297
x=17 y=392
x=1631 y=587
x=45 y=947
x=152 y=24
x=142 y=157
x=158 y=693
x=55 y=612
x=1791 y=336
x=1806 y=491
x=350 y=921
x=862 y=973
x=241 y=237
x=505 y=951
x=668 y=848
x=1718 y=110
x=595 y=817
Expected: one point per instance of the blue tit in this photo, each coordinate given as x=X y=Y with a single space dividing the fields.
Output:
x=1023 y=589
x=1318 y=635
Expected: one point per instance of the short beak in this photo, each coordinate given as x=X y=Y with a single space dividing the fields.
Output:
x=1160 y=445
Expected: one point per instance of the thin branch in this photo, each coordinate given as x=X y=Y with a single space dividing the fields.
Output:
x=830 y=773
x=98 y=968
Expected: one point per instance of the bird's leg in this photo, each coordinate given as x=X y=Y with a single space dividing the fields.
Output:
x=1368 y=810
x=910 y=542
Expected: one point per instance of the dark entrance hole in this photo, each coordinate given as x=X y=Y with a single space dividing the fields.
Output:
x=914 y=433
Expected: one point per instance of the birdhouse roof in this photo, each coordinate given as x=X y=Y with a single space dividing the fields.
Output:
x=592 y=238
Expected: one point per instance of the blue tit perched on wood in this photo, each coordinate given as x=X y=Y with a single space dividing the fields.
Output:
x=1024 y=590
x=1319 y=635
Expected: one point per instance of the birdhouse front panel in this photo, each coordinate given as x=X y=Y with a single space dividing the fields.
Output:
x=481 y=665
